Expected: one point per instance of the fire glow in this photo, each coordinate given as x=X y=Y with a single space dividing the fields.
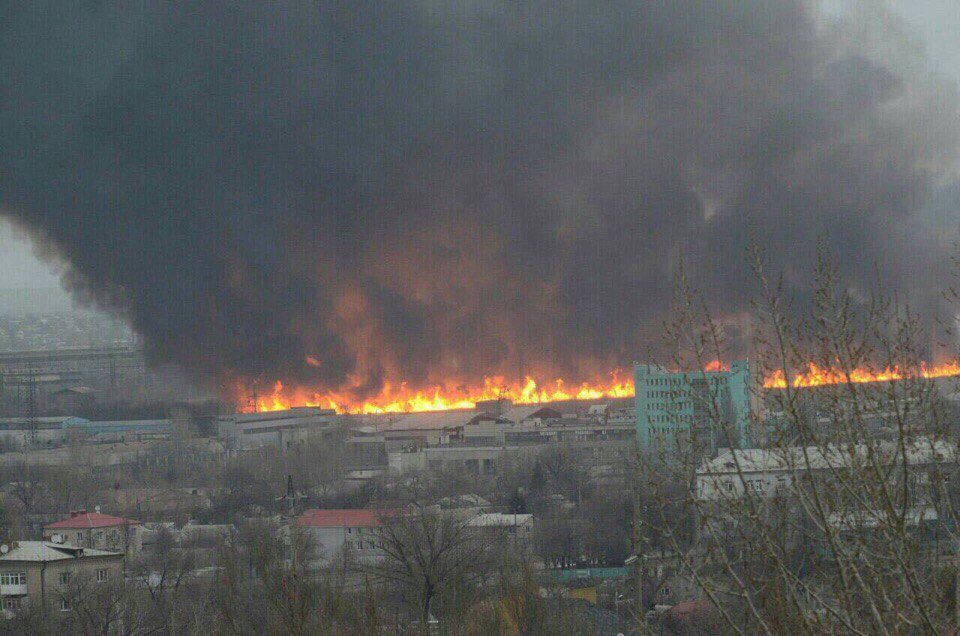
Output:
x=400 y=398
x=820 y=376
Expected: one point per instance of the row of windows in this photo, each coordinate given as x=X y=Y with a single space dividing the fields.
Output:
x=13 y=578
x=102 y=575
x=362 y=545
x=713 y=379
x=668 y=406
x=98 y=535
x=666 y=419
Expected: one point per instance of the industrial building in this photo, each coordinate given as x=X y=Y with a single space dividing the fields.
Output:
x=711 y=409
x=31 y=379
x=280 y=429
x=25 y=432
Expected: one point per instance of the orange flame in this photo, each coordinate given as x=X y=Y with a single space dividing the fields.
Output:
x=819 y=376
x=401 y=398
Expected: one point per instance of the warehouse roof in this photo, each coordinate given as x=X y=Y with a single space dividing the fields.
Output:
x=434 y=420
x=530 y=412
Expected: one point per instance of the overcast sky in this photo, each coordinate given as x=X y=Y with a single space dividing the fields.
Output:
x=937 y=23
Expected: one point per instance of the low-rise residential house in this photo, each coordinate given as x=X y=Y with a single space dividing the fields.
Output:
x=469 y=504
x=41 y=572
x=98 y=531
x=342 y=533
x=515 y=530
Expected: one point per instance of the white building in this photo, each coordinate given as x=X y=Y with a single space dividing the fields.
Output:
x=281 y=429
x=515 y=529
x=343 y=533
x=772 y=471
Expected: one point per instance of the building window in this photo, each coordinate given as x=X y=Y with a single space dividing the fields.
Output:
x=13 y=578
x=64 y=605
x=64 y=578
x=79 y=537
x=11 y=603
x=101 y=575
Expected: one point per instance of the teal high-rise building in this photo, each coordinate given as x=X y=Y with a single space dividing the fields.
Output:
x=711 y=407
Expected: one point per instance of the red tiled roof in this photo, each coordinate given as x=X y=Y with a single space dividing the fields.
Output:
x=339 y=518
x=89 y=520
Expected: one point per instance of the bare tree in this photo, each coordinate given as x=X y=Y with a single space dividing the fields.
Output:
x=842 y=520
x=427 y=554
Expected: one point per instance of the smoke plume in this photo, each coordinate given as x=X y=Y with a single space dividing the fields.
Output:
x=341 y=194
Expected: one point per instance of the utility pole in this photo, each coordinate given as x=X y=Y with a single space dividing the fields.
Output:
x=254 y=397
x=637 y=558
x=32 y=407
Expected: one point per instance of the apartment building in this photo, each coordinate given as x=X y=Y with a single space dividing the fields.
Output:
x=98 y=531
x=342 y=533
x=34 y=572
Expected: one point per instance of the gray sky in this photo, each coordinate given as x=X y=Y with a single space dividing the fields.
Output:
x=937 y=22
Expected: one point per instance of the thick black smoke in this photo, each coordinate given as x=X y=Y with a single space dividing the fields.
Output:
x=346 y=193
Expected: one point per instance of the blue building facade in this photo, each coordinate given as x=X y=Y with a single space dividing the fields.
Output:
x=712 y=407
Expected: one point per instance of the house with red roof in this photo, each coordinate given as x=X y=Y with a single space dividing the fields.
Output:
x=97 y=531
x=343 y=533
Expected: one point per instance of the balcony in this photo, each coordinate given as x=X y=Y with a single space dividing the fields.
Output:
x=13 y=590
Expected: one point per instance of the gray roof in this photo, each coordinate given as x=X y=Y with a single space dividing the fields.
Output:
x=40 y=551
x=434 y=420
x=919 y=450
x=499 y=520
x=529 y=411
